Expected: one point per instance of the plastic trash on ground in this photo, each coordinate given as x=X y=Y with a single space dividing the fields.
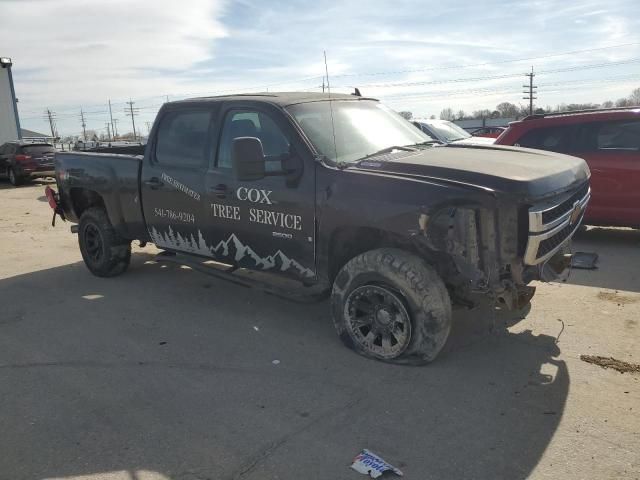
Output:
x=367 y=462
x=584 y=260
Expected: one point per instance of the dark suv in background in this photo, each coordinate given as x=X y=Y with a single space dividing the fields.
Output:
x=21 y=161
x=609 y=141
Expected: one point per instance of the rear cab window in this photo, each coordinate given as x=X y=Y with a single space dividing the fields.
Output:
x=183 y=138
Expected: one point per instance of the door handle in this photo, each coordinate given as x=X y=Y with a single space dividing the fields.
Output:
x=154 y=183
x=220 y=190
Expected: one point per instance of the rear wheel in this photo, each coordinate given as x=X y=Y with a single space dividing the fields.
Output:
x=14 y=178
x=390 y=305
x=104 y=252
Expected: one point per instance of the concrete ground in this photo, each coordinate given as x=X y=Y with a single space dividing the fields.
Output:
x=166 y=373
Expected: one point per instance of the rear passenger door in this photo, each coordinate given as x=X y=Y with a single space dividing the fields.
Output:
x=612 y=150
x=172 y=179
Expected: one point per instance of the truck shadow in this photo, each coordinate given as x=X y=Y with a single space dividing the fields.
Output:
x=166 y=370
x=615 y=247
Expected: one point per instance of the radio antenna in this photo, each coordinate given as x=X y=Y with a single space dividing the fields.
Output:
x=333 y=127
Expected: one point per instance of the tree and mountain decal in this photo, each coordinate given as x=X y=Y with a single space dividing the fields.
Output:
x=233 y=250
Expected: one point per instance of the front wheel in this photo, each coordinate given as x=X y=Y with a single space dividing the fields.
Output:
x=104 y=252
x=390 y=305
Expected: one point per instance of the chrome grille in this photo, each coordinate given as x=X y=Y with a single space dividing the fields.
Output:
x=552 y=224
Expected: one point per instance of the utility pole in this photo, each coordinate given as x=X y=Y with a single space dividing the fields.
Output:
x=132 y=112
x=113 y=128
x=108 y=125
x=84 y=125
x=51 y=116
x=148 y=127
x=531 y=92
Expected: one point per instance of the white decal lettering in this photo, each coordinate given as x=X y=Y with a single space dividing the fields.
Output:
x=241 y=193
x=254 y=195
x=184 y=217
x=180 y=187
x=229 y=212
x=275 y=219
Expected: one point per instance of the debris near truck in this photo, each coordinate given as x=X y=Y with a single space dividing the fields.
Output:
x=340 y=194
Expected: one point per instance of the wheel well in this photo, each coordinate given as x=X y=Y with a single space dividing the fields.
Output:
x=347 y=243
x=83 y=198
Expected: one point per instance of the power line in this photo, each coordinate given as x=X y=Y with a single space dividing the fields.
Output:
x=484 y=64
x=495 y=77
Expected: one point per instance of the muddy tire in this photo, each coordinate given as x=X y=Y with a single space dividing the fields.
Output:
x=14 y=178
x=104 y=252
x=390 y=305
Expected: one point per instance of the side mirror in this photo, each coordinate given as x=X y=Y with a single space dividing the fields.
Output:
x=247 y=158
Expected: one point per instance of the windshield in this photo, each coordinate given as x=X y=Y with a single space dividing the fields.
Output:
x=448 y=131
x=362 y=128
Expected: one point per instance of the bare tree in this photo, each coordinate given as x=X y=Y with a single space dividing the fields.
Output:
x=507 y=109
x=447 y=114
x=484 y=113
x=607 y=104
x=406 y=115
x=635 y=97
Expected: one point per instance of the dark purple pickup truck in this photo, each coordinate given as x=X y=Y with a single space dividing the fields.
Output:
x=339 y=194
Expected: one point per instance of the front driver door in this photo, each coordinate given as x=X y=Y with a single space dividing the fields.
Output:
x=267 y=224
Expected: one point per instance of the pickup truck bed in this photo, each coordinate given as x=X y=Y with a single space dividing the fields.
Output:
x=111 y=179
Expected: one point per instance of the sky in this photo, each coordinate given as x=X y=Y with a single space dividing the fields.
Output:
x=415 y=55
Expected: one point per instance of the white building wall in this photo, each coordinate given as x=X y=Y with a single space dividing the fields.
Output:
x=8 y=120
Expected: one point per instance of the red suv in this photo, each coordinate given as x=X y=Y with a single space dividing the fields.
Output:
x=609 y=141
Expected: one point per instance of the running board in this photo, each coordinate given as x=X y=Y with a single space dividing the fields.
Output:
x=230 y=273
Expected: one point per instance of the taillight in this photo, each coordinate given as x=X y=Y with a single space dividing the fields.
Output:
x=23 y=158
x=51 y=197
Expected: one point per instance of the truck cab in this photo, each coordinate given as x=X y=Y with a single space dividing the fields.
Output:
x=340 y=194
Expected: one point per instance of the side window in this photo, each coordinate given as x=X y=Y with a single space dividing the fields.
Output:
x=252 y=124
x=3 y=149
x=183 y=139
x=619 y=136
x=555 y=139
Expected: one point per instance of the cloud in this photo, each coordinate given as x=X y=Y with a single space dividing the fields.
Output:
x=69 y=53
x=75 y=52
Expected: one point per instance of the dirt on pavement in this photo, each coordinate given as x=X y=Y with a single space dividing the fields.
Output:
x=610 y=362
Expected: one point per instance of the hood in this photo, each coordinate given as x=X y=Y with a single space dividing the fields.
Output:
x=475 y=141
x=520 y=171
